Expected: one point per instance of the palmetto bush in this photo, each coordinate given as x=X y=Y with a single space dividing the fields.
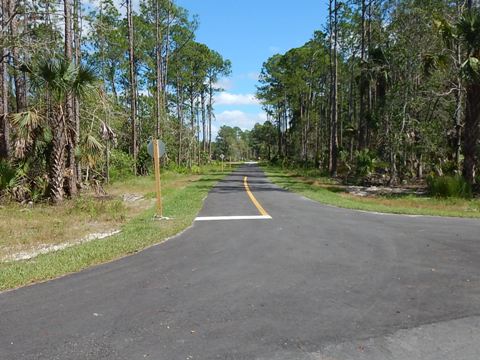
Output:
x=365 y=162
x=449 y=186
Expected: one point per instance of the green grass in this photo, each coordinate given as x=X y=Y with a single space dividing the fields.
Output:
x=322 y=190
x=181 y=204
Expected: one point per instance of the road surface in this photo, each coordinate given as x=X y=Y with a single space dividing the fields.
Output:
x=311 y=282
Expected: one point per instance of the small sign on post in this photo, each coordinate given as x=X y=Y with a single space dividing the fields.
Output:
x=222 y=157
x=156 y=149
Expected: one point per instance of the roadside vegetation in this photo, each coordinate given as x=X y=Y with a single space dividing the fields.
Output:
x=84 y=86
x=27 y=228
x=386 y=94
x=322 y=188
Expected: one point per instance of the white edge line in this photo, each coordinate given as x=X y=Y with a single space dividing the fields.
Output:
x=220 y=218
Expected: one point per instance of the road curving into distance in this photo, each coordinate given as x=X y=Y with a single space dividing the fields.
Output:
x=300 y=281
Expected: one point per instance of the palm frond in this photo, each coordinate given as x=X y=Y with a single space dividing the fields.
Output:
x=84 y=80
x=27 y=122
x=469 y=28
x=471 y=69
x=91 y=144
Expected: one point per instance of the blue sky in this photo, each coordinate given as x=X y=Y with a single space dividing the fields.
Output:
x=248 y=32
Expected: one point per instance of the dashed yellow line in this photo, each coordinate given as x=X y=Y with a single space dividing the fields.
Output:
x=254 y=200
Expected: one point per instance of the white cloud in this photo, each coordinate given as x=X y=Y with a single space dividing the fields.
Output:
x=226 y=98
x=244 y=121
x=253 y=76
x=224 y=83
x=119 y=4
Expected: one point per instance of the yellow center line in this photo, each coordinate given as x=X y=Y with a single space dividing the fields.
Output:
x=254 y=200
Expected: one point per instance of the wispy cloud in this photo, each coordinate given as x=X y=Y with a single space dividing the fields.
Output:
x=224 y=83
x=243 y=120
x=119 y=4
x=226 y=98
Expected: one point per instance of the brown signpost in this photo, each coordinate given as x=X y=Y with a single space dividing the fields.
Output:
x=158 y=182
x=156 y=149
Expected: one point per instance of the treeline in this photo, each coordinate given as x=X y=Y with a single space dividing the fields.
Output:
x=84 y=87
x=234 y=143
x=389 y=87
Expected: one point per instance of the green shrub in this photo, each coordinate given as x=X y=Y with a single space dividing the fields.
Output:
x=179 y=169
x=365 y=162
x=449 y=186
x=144 y=161
x=7 y=175
x=121 y=165
x=196 y=170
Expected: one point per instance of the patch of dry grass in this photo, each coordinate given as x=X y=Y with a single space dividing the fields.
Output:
x=24 y=228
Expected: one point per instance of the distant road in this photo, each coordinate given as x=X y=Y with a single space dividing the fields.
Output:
x=265 y=274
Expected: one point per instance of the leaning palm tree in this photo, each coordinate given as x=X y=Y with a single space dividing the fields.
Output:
x=56 y=79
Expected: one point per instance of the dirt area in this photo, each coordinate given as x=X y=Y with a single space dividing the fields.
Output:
x=29 y=230
x=384 y=190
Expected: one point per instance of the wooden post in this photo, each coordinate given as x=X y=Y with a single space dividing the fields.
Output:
x=158 y=185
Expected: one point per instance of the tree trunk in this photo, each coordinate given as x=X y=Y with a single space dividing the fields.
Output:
x=334 y=98
x=471 y=134
x=133 y=90
x=458 y=98
x=204 y=121
x=57 y=157
x=4 y=124
x=180 y=121
x=158 y=58
x=69 y=107
x=362 y=131
x=18 y=78
x=210 y=115
x=78 y=43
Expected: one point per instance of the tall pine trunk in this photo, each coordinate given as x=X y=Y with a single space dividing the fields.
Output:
x=18 y=78
x=363 y=85
x=334 y=89
x=69 y=106
x=133 y=90
x=204 y=121
x=77 y=35
x=4 y=124
x=180 y=120
x=472 y=132
x=158 y=60
x=210 y=115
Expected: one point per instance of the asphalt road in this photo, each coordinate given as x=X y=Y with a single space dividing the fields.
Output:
x=313 y=282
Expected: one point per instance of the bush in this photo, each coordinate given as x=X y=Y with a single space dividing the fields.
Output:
x=365 y=162
x=121 y=165
x=179 y=169
x=449 y=186
x=144 y=161
x=7 y=175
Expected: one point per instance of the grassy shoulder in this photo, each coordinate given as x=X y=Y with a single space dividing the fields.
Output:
x=183 y=197
x=324 y=190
